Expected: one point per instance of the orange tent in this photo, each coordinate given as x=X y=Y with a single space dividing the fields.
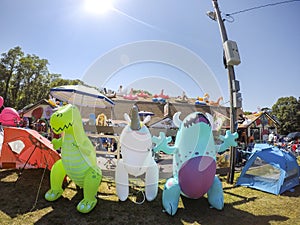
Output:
x=26 y=147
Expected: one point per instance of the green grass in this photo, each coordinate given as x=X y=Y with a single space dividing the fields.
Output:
x=20 y=204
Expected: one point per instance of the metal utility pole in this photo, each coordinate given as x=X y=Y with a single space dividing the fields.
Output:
x=233 y=89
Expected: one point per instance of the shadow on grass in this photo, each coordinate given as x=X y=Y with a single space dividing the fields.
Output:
x=200 y=212
x=292 y=193
x=18 y=199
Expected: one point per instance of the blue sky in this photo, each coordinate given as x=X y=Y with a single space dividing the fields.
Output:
x=74 y=39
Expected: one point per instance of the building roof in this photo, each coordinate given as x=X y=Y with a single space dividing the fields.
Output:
x=259 y=117
x=27 y=110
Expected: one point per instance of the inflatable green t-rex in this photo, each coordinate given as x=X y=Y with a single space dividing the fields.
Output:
x=78 y=158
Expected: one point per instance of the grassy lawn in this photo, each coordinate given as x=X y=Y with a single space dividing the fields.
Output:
x=21 y=203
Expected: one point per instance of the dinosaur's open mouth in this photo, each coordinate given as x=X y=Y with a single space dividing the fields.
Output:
x=61 y=129
x=197 y=119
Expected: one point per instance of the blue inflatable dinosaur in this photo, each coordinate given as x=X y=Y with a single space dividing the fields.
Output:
x=194 y=161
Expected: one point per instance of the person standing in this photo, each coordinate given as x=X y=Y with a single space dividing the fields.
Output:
x=271 y=138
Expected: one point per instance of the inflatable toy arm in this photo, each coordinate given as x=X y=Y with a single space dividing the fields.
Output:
x=57 y=143
x=161 y=144
x=228 y=141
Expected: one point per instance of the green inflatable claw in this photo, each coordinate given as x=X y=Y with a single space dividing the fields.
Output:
x=85 y=206
x=52 y=195
x=78 y=158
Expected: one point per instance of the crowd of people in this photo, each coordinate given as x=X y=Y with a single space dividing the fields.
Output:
x=244 y=151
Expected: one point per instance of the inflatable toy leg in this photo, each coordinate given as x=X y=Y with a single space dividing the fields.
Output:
x=170 y=197
x=91 y=184
x=215 y=194
x=57 y=176
x=151 y=182
x=122 y=184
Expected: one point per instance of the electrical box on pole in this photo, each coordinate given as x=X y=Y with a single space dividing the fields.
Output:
x=231 y=53
x=235 y=85
x=237 y=100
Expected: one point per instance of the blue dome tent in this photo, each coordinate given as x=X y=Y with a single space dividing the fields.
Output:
x=270 y=169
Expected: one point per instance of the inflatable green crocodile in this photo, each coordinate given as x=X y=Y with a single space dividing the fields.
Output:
x=78 y=158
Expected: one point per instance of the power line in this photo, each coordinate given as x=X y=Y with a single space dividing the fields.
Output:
x=262 y=6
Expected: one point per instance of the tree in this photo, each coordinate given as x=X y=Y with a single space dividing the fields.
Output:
x=247 y=113
x=9 y=63
x=26 y=79
x=60 y=82
x=287 y=111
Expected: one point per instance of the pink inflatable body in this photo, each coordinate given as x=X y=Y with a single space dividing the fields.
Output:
x=131 y=96
x=8 y=116
x=161 y=95
x=143 y=95
x=1 y=101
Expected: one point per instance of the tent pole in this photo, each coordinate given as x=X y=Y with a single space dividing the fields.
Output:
x=39 y=189
x=20 y=173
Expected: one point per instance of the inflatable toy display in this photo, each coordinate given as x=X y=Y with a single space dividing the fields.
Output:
x=120 y=91
x=109 y=93
x=137 y=157
x=194 y=161
x=1 y=101
x=183 y=98
x=202 y=100
x=78 y=158
x=131 y=96
x=217 y=103
x=159 y=100
x=8 y=116
x=142 y=94
x=101 y=120
x=205 y=100
x=161 y=95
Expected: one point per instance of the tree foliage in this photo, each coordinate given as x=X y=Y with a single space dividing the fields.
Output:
x=287 y=111
x=25 y=79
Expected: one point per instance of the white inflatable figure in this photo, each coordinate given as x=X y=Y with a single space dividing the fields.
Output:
x=137 y=157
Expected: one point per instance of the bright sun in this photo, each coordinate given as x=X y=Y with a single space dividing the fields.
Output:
x=98 y=6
